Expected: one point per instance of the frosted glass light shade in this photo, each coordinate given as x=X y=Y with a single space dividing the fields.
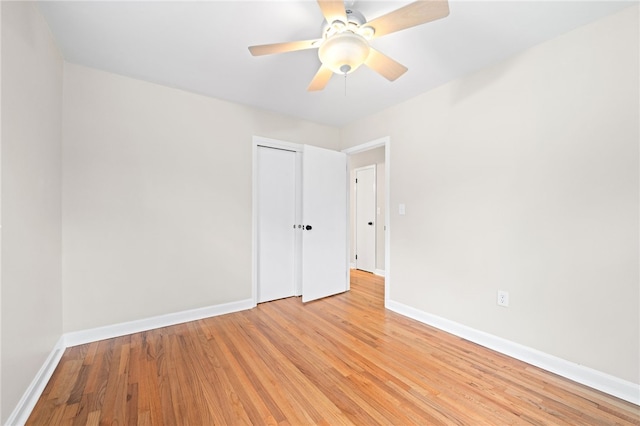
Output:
x=343 y=53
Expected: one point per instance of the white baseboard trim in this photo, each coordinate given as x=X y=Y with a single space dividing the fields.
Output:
x=75 y=338
x=30 y=397
x=595 y=379
x=379 y=272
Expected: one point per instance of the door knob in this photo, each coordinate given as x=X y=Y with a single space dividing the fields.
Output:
x=308 y=227
x=370 y=223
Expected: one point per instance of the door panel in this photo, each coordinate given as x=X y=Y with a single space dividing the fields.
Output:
x=276 y=216
x=366 y=219
x=324 y=208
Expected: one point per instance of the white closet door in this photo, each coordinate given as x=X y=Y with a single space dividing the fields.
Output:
x=324 y=216
x=276 y=217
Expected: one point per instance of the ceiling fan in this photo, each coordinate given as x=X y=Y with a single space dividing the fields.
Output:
x=346 y=34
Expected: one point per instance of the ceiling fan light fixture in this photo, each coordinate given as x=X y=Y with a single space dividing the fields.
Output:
x=343 y=53
x=366 y=32
x=338 y=26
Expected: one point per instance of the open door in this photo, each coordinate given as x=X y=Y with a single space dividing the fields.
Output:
x=324 y=219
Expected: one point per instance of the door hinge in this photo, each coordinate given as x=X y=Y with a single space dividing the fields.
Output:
x=356 y=257
x=356 y=180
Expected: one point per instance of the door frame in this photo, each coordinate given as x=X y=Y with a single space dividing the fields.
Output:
x=375 y=224
x=298 y=149
x=386 y=142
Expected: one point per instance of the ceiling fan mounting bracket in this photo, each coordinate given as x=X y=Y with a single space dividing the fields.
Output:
x=355 y=16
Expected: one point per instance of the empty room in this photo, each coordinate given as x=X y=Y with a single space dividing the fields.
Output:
x=320 y=212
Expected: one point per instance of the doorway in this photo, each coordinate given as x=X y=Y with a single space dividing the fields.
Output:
x=374 y=152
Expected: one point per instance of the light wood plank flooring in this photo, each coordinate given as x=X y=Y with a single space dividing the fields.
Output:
x=341 y=360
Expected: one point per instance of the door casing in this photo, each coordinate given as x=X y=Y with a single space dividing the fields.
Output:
x=386 y=142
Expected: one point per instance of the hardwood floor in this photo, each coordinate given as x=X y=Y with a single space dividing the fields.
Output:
x=341 y=360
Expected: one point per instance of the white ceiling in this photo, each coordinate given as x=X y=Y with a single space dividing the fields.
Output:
x=201 y=47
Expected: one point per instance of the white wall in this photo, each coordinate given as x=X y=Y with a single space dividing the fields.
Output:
x=367 y=158
x=157 y=197
x=31 y=207
x=1 y=410
x=524 y=177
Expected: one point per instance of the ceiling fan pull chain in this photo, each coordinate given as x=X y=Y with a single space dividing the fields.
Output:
x=345 y=84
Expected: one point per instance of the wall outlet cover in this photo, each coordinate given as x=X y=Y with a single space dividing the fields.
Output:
x=503 y=298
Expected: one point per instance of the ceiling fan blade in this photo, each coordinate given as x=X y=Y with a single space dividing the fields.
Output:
x=333 y=10
x=416 y=13
x=291 y=46
x=320 y=80
x=384 y=65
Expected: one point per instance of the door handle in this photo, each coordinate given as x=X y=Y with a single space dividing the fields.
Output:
x=370 y=223
x=308 y=227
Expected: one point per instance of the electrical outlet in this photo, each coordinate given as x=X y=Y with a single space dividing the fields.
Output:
x=503 y=298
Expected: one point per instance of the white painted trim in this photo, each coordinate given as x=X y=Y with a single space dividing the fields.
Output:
x=387 y=219
x=30 y=397
x=366 y=146
x=274 y=143
x=386 y=142
x=378 y=272
x=75 y=338
x=22 y=411
x=603 y=382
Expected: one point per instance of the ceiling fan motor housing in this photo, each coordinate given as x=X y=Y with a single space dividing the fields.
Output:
x=355 y=16
x=354 y=19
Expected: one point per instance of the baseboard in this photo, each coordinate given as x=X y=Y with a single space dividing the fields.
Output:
x=595 y=379
x=379 y=272
x=22 y=411
x=609 y=384
x=110 y=331
x=30 y=397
